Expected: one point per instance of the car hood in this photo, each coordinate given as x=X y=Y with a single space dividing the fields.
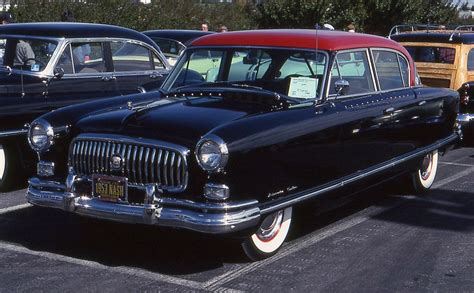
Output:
x=182 y=121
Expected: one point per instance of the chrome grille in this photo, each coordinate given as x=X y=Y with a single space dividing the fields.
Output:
x=143 y=161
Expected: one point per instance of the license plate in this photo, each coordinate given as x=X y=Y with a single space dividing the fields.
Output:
x=109 y=188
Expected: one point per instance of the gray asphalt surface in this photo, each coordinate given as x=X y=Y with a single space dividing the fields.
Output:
x=382 y=241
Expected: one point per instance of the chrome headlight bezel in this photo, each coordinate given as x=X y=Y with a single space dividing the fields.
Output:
x=48 y=132
x=212 y=141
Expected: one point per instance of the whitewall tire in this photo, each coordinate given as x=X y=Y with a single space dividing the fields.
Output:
x=3 y=163
x=424 y=176
x=269 y=236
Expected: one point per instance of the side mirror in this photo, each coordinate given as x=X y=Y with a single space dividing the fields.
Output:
x=341 y=86
x=58 y=72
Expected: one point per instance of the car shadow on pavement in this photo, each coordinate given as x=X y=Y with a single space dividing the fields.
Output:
x=178 y=252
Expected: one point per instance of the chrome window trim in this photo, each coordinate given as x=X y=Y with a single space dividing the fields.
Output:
x=335 y=96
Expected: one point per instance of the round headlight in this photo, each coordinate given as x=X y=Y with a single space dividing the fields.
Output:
x=40 y=135
x=212 y=153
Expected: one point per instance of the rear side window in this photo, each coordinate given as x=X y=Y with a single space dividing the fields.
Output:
x=354 y=68
x=432 y=54
x=392 y=69
x=87 y=57
x=470 y=60
x=130 y=57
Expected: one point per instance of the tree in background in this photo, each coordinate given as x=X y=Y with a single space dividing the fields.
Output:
x=372 y=16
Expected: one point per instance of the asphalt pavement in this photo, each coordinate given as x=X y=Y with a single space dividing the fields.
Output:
x=382 y=241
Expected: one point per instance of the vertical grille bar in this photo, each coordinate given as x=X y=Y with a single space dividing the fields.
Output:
x=146 y=162
x=178 y=171
x=140 y=160
x=172 y=168
x=152 y=165
x=129 y=151
x=124 y=149
x=158 y=168
x=165 y=168
x=134 y=169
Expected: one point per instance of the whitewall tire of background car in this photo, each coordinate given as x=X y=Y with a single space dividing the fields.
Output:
x=423 y=178
x=2 y=162
x=269 y=236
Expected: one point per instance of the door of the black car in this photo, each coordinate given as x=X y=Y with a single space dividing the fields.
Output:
x=86 y=76
x=136 y=67
x=363 y=119
x=407 y=114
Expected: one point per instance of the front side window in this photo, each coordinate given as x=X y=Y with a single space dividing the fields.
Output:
x=391 y=72
x=432 y=54
x=354 y=68
x=290 y=72
x=28 y=54
x=130 y=57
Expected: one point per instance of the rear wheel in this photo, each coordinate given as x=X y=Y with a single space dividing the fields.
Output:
x=269 y=236
x=423 y=177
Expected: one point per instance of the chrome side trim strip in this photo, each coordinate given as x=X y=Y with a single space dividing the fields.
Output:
x=295 y=198
x=8 y=133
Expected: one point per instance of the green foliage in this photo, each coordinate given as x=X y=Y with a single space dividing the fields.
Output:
x=182 y=14
x=372 y=16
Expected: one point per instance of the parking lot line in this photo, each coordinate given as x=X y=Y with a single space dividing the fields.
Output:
x=218 y=281
x=456 y=164
x=91 y=264
x=311 y=239
x=15 y=208
x=453 y=177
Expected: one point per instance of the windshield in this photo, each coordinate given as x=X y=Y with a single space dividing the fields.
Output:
x=294 y=73
x=27 y=54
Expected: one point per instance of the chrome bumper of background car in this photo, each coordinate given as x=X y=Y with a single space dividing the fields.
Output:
x=214 y=218
x=465 y=118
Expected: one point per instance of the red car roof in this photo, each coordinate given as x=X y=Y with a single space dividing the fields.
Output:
x=297 y=38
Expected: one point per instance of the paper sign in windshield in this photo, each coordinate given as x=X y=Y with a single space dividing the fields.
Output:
x=303 y=87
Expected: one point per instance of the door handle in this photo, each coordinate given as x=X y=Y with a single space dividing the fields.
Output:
x=108 y=78
x=156 y=75
x=389 y=110
x=421 y=103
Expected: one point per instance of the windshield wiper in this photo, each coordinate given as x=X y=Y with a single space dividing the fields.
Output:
x=242 y=86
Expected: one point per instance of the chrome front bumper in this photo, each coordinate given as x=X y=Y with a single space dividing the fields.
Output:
x=216 y=218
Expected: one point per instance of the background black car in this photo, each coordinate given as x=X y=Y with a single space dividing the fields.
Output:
x=45 y=66
x=173 y=42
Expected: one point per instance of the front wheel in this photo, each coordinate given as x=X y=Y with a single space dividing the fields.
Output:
x=423 y=177
x=8 y=166
x=270 y=235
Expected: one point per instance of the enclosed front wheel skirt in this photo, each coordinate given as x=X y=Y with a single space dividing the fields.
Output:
x=269 y=236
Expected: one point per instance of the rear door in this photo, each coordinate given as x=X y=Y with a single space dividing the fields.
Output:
x=87 y=75
x=136 y=67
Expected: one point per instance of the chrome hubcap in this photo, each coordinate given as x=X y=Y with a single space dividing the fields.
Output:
x=270 y=226
x=426 y=166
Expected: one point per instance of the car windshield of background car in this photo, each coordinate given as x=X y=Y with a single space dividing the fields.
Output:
x=294 y=73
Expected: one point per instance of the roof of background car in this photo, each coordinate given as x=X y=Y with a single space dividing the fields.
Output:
x=435 y=37
x=72 y=30
x=297 y=38
x=182 y=36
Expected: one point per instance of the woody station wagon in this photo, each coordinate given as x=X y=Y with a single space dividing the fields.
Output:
x=247 y=126
x=444 y=57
